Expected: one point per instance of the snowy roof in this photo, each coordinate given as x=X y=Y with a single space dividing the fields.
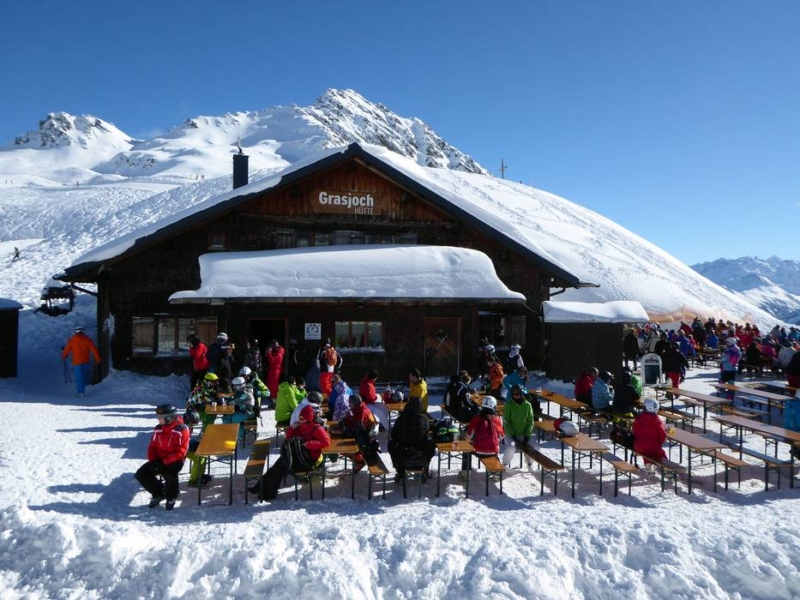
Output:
x=421 y=180
x=7 y=304
x=620 y=311
x=370 y=272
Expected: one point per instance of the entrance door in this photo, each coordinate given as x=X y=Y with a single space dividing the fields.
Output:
x=266 y=330
x=442 y=343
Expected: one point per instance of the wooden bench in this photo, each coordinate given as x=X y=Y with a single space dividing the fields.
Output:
x=259 y=458
x=307 y=477
x=667 y=466
x=547 y=466
x=771 y=463
x=492 y=465
x=730 y=462
x=743 y=411
x=417 y=475
x=250 y=427
x=620 y=466
x=376 y=470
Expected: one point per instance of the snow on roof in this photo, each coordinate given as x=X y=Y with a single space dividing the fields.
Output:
x=385 y=272
x=620 y=311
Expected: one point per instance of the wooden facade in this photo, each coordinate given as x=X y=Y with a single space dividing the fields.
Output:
x=349 y=198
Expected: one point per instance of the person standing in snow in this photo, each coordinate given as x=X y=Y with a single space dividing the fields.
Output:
x=253 y=359
x=514 y=360
x=274 y=364
x=199 y=353
x=729 y=364
x=329 y=361
x=166 y=454
x=82 y=349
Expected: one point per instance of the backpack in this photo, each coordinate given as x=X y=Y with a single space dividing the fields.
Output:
x=330 y=357
x=791 y=415
x=295 y=456
x=622 y=437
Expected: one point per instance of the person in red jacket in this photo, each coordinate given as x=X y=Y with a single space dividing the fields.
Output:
x=361 y=424
x=166 y=454
x=198 y=351
x=315 y=436
x=273 y=358
x=82 y=349
x=584 y=385
x=649 y=433
x=368 y=393
x=485 y=431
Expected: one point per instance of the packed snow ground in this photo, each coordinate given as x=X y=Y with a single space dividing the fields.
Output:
x=75 y=523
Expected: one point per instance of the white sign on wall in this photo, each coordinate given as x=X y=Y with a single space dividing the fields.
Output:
x=313 y=331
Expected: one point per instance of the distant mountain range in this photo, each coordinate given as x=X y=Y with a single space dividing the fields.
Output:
x=772 y=284
x=79 y=182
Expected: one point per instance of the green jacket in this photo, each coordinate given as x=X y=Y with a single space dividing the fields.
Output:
x=637 y=384
x=289 y=397
x=518 y=418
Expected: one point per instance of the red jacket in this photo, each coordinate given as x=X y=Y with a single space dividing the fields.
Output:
x=485 y=432
x=649 y=434
x=314 y=435
x=367 y=391
x=169 y=443
x=199 y=358
x=81 y=347
x=583 y=388
x=359 y=414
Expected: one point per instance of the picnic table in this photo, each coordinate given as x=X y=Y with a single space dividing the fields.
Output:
x=218 y=409
x=346 y=446
x=218 y=444
x=705 y=400
x=451 y=449
x=694 y=443
x=583 y=445
x=565 y=404
x=771 y=399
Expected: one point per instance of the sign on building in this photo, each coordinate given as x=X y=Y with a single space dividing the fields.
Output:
x=313 y=331
x=651 y=369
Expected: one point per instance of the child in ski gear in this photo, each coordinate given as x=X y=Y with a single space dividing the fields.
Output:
x=518 y=426
x=329 y=361
x=166 y=454
x=418 y=388
x=290 y=393
x=485 y=431
x=649 y=432
x=82 y=349
x=496 y=376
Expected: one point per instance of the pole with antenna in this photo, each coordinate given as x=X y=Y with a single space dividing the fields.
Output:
x=503 y=167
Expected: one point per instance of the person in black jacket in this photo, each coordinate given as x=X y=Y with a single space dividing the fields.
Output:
x=458 y=398
x=630 y=348
x=625 y=396
x=410 y=444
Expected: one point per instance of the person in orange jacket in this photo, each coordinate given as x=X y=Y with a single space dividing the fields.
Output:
x=82 y=349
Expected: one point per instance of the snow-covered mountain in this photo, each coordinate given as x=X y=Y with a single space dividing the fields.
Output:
x=79 y=183
x=772 y=284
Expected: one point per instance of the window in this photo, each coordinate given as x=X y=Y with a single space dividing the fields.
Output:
x=322 y=239
x=302 y=240
x=359 y=335
x=346 y=238
x=375 y=238
x=165 y=335
x=217 y=241
x=284 y=238
x=407 y=238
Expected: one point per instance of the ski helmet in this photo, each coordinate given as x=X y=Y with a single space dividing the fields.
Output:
x=651 y=405
x=237 y=383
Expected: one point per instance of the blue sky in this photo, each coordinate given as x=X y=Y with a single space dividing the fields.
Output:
x=679 y=120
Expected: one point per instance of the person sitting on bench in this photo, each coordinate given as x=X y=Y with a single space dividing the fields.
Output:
x=411 y=445
x=649 y=434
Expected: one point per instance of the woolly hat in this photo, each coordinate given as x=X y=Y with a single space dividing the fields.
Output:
x=307 y=414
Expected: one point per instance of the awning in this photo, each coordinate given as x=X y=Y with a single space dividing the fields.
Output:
x=620 y=311
x=378 y=273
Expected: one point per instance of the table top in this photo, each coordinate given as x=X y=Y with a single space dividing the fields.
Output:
x=396 y=406
x=693 y=440
x=752 y=391
x=774 y=431
x=584 y=443
x=219 y=440
x=341 y=446
x=568 y=403
x=705 y=398
x=456 y=446
x=219 y=409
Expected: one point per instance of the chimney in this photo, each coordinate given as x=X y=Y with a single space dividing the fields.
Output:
x=240 y=169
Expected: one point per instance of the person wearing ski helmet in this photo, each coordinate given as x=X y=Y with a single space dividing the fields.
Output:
x=166 y=454
x=202 y=395
x=649 y=433
x=485 y=430
x=260 y=391
x=243 y=402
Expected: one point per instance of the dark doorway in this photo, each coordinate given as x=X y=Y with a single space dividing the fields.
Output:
x=266 y=330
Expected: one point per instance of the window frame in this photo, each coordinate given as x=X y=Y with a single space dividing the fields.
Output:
x=367 y=330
